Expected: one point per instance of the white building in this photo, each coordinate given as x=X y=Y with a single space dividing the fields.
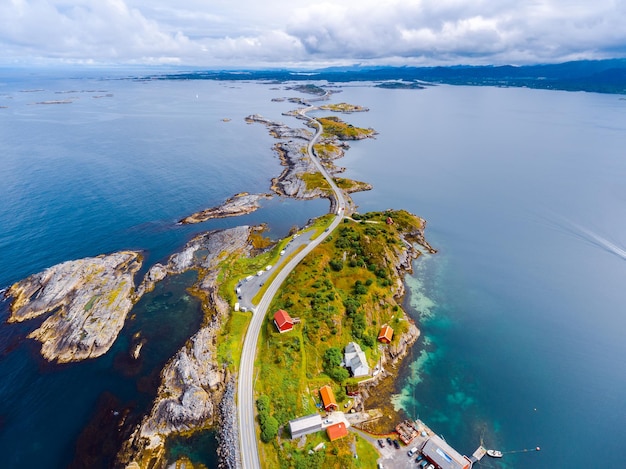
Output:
x=305 y=425
x=354 y=359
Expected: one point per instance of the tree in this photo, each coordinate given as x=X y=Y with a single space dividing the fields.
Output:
x=338 y=374
x=332 y=358
x=269 y=429
x=263 y=404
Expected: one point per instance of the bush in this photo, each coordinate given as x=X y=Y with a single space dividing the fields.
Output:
x=368 y=340
x=336 y=264
x=269 y=429
x=338 y=374
x=263 y=404
x=332 y=358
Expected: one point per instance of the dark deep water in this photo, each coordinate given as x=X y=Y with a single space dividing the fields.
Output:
x=522 y=310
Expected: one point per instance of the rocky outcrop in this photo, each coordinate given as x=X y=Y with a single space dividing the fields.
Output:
x=239 y=204
x=89 y=300
x=280 y=130
x=290 y=183
x=228 y=432
x=193 y=383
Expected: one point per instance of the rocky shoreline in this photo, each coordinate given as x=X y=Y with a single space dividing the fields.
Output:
x=293 y=155
x=239 y=204
x=193 y=384
x=88 y=299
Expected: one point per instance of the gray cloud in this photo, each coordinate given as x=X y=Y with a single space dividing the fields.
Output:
x=246 y=32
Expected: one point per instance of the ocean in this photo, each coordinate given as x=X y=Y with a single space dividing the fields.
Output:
x=521 y=311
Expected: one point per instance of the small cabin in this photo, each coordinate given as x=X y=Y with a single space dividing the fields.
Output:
x=336 y=431
x=386 y=334
x=328 y=398
x=282 y=321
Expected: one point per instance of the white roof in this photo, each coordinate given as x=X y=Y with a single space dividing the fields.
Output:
x=440 y=452
x=355 y=359
x=305 y=423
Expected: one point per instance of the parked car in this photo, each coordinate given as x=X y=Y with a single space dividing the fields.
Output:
x=396 y=444
x=389 y=441
x=423 y=464
x=381 y=443
x=419 y=458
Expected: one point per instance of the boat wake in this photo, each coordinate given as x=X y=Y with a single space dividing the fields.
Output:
x=590 y=237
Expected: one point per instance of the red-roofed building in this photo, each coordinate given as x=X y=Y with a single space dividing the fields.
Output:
x=328 y=398
x=386 y=334
x=336 y=431
x=282 y=320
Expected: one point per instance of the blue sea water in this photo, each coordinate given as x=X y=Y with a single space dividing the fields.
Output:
x=115 y=169
x=521 y=311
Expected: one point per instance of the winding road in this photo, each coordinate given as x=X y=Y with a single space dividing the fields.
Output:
x=247 y=429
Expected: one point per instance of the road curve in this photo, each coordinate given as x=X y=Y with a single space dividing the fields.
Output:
x=245 y=392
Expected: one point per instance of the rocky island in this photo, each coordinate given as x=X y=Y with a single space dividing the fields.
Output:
x=89 y=300
x=239 y=204
x=301 y=179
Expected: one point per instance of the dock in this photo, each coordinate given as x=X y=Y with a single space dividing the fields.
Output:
x=478 y=454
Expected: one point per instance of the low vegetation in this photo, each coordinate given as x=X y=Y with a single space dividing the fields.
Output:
x=343 y=291
x=333 y=126
x=344 y=107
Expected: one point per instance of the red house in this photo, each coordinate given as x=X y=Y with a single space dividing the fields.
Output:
x=386 y=334
x=328 y=398
x=336 y=431
x=283 y=322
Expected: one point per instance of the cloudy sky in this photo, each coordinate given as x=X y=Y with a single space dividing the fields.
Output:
x=261 y=33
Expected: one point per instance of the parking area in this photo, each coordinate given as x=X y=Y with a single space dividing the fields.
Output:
x=249 y=286
x=392 y=458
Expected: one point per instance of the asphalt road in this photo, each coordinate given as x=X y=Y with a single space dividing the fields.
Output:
x=245 y=391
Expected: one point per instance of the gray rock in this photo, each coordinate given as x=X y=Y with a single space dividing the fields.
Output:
x=239 y=204
x=193 y=383
x=90 y=299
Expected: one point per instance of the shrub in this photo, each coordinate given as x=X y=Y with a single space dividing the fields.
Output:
x=332 y=358
x=336 y=264
x=269 y=429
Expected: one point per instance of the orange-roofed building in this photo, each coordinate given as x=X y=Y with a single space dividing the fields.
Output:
x=328 y=398
x=386 y=334
x=336 y=431
x=283 y=321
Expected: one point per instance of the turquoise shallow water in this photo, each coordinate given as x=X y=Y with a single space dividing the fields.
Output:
x=521 y=311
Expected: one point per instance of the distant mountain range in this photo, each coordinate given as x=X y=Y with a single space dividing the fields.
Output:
x=600 y=76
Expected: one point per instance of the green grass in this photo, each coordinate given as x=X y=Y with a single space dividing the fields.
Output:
x=315 y=181
x=291 y=366
x=333 y=126
x=368 y=455
x=230 y=342
x=326 y=150
x=343 y=107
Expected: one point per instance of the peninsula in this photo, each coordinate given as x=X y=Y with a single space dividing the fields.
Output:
x=343 y=279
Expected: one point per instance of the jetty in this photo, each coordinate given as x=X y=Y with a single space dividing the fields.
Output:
x=430 y=446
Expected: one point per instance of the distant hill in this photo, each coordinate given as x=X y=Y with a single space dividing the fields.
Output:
x=600 y=76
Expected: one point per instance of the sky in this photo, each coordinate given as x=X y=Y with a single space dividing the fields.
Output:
x=309 y=33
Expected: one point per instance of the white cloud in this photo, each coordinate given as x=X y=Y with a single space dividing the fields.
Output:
x=246 y=32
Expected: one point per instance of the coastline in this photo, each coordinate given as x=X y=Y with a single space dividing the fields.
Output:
x=211 y=390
